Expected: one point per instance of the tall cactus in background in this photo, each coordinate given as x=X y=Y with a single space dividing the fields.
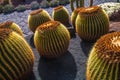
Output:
x=79 y=3
x=91 y=23
x=16 y=56
x=104 y=60
x=11 y=25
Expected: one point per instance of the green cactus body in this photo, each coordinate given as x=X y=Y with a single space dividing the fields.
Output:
x=74 y=16
x=61 y=14
x=16 y=57
x=51 y=39
x=91 y=23
x=38 y=17
x=11 y=25
x=104 y=60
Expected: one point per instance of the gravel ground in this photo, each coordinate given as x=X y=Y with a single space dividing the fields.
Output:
x=71 y=66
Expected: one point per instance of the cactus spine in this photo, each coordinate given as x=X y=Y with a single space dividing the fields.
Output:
x=51 y=39
x=11 y=25
x=37 y=17
x=104 y=60
x=91 y=23
x=61 y=14
x=16 y=57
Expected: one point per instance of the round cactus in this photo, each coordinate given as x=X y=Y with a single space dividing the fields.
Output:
x=11 y=25
x=104 y=60
x=91 y=23
x=74 y=16
x=61 y=14
x=51 y=39
x=16 y=57
x=38 y=17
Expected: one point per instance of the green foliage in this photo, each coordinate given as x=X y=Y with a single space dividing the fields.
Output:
x=34 y=5
x=1 y=8
x=8 y=8
x=21 y=8
x=54 y=3
x=63 y=2
x=44 y=4
x=5 y=2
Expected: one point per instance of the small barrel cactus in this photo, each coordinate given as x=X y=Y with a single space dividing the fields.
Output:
x=74 y=16
x=16 y=56
x=51 y=39
x=11 y=25
x=91 y=23
x=104 y=60
x=38 y=17
x=61 y=14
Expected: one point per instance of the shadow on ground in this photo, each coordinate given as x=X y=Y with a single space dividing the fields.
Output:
x=86 y=47
x=63 y=68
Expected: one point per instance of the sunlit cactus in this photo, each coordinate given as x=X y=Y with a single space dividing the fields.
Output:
x=11 y=25
x=91 y=23
x=16 y=57
x=61 y=14
x=104 y=60
x=38 y=17
x=51 y=39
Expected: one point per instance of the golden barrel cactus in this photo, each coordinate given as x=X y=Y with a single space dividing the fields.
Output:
x=61 y=14
x=16 y=57
x=104 y=60
x=11 y=25
x=91 y=23
x=51 y=39
x=37 y=17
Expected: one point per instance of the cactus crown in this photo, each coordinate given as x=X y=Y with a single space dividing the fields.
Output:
x=89 y=10
x=36 y=12
x=58 y=8
x=108 y=47
x=48 y=25
x=4 y=33
x=5 y=24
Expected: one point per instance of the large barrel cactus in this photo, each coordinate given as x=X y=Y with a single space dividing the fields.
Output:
x=91 y=23
x=16 y=57
x=38 y=17
x=11 y=25
x=61 y=14
x=51 y=39
x=104 y=59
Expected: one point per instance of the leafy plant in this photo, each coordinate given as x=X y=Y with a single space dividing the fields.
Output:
x=54 y=3
x=44 y=4
x=21 y=8
x=34 y=5
x=8 y=8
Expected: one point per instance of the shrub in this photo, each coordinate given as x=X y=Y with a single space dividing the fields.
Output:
x=21 y=8
x=8 y=8
x=5 y=2
x=54 y=3
x=34 y=5
x=44 y=4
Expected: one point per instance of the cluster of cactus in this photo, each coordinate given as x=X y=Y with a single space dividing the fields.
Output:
x=21 y=8
x=8 y=8
x=91 y=23
x=16 y=57
x=34 y=5
x=51 y=39
x=11 y=25
x=38 y=17
x=104 y=60
x=61 y=14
